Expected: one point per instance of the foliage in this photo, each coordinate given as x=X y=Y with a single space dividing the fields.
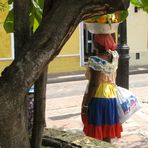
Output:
x=9 y=22
x=143 y=4
x=35 y=15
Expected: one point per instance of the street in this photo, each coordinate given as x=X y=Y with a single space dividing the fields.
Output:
x=64 y=102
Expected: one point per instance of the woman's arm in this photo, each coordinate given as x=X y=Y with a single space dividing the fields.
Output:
x=92 y=86
x=87 y=74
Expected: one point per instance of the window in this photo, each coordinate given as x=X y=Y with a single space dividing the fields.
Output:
x=86 y=45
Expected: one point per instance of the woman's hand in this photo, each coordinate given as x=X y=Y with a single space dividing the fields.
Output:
x=84 y=106
x=84 y=110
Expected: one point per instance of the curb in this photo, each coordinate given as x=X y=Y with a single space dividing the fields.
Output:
x=66 y=78
x=78 y=77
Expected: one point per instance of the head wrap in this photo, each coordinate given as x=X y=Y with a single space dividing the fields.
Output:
x=105 y=40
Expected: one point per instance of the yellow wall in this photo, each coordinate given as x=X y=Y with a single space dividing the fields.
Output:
x=4 y=64
x=65 y=64
x=4 y=37
x=69 y=57
x=5 y=42
x=72 y=45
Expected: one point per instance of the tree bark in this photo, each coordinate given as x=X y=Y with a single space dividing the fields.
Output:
x=37 y=52
x=13 y=132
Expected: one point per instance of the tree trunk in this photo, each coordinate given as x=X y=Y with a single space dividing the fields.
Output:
x=37 y=52
x=15 y=133
x=40 y=98
x=39 y=110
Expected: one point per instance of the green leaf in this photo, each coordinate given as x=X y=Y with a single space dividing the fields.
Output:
x=35 y=25
x=137 y=3
x=38 y=15
x=141 y=4
x=123 y=15
x=37 y=6
x=38 y=9
x=41 y=3
x=96 y=17
x=10 y=2
x=33 y=21
x=9 y=22
x=145 y=9
x=145 y=3
x=31 y=18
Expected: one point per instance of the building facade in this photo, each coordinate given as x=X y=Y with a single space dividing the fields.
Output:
x=72 y=57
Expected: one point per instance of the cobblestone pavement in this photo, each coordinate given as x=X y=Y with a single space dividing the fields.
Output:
x=63 y=110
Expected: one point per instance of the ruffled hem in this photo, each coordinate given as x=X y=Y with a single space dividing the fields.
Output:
x=103 y=131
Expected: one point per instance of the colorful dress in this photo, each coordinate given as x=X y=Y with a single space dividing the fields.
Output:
x=102 y=120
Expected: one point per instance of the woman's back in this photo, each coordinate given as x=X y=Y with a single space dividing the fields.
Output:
x=104 y=67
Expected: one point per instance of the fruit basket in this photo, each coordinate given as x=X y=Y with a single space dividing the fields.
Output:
x=105 y=24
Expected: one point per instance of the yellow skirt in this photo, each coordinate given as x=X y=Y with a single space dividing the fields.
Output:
x=106 y=90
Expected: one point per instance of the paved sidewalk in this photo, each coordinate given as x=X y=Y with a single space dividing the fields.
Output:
x=63 y=110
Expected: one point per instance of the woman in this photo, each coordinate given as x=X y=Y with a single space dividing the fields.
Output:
x=99 y=112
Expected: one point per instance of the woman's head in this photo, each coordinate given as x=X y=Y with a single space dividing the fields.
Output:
x=104 y=41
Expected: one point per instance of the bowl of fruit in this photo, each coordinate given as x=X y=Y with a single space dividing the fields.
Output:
x=105 y=24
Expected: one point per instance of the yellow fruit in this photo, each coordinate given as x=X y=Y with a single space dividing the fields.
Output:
x=90 y=20
x=117 y=16
x=115 y=21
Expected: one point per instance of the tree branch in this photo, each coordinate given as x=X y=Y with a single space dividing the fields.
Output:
x=40 y=97
x=21 y=25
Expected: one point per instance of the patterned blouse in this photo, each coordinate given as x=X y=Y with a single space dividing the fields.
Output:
x=99 y=64
x=107 y=69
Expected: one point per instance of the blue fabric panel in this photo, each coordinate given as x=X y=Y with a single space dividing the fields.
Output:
x=103 y=111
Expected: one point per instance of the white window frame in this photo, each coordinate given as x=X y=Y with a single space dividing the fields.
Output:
x=82 y=46
x=81 y=34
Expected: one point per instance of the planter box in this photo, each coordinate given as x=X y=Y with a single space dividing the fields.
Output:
x=66 y=139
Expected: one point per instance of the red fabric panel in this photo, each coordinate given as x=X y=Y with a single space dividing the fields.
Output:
x=103 y=131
